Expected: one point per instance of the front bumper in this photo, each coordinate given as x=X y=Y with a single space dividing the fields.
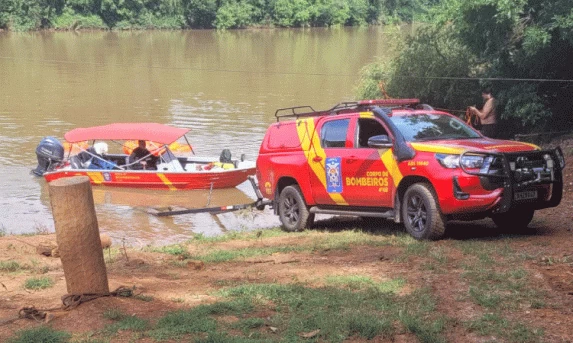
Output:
x=527 y=179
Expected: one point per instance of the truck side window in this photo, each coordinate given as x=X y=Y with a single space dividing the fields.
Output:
x=333 y=133
x=367 y=128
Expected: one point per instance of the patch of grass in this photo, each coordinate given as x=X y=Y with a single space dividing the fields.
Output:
x=41 y=334
x=223 y=255
x=245 y=235
x=369 y=326
x=247 y=324
x=177 y=250
x=90 y=340
x=361 y=282
x=197 y=319
x=320 y=242
x=493 y=324
x=124 y=322
x=10 y=266
x=223 y=337
x=131 y=323
x=39 y=283
x=500 y=289
x=142 y=297
x=338 y=313
x=412 y=247
x=113 y=314
x=484 y=297
x=179 y=323
x=425 y=331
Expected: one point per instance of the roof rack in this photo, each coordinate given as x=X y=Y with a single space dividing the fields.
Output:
x=308 y=111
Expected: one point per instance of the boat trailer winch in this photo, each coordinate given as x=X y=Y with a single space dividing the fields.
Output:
x=259 y=204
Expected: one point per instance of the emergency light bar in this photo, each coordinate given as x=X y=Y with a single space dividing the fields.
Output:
x=387 y=102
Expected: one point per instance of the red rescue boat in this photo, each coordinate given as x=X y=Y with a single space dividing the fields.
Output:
x=162 y=167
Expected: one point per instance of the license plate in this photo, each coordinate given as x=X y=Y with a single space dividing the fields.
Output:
x=525 y=195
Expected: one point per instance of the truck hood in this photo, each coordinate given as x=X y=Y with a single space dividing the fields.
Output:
x=475 y=144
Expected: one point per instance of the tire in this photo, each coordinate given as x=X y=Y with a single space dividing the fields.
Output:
x=293 y=212
x=421 y=214
x=514 y=221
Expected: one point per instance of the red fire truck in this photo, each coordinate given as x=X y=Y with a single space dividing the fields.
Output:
x=401 y=160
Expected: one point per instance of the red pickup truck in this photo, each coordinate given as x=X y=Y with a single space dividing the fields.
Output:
x=401 y=160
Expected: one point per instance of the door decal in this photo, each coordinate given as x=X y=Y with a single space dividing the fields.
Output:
x=333 y=175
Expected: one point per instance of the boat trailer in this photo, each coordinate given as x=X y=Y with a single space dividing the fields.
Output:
x=259 y=204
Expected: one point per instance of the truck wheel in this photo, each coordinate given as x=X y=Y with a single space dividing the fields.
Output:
x=420 y=212
x=293 y=213
x=514 y=221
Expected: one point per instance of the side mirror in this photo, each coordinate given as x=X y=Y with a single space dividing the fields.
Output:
x=380 y=142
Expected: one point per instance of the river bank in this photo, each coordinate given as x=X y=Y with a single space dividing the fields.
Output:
x=474 y=284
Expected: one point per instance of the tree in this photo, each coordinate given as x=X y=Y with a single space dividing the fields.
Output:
x=494 y=39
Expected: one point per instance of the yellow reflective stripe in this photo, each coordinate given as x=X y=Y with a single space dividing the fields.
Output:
x=166 y=181
x=437 y=149
x=96 y=177
x=311 y=149
x=536 y=147
x=391 y=165
x=366 y=115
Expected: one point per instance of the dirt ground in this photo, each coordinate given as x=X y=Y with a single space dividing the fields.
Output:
x=173 y=287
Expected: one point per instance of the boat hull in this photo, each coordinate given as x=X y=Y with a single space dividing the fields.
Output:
x=158 y=180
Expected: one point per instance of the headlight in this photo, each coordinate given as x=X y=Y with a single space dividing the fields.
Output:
x=448 y=161
x=472 y=161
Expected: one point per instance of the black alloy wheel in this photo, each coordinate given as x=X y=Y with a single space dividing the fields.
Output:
x=420 y=212
x=293 y=212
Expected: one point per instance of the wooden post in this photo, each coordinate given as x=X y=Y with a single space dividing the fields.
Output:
x=77 y=234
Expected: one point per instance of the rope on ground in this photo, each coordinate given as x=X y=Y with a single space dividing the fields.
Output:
x=69 y=301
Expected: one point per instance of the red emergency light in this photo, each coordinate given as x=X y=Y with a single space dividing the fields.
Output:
x=390 y=102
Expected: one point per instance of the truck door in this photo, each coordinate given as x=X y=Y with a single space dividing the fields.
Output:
x=367 y=180
x=354 y=174
x=326 y=157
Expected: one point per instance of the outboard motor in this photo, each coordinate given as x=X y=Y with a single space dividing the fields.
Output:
x=50 y=153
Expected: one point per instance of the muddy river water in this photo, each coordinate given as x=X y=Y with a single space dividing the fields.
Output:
x=224 y=86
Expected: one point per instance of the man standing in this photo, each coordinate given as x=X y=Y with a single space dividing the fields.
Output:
x=487 y=115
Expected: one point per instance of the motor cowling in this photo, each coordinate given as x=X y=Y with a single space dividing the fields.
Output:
x=50 y=153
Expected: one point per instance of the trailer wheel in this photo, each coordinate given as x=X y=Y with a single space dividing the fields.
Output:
x=421 y=214
x=514 y=221
x=293 y=212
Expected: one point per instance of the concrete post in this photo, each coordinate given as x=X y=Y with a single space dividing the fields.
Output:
x=77 y=234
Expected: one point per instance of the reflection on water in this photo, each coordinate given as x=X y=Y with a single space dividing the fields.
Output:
x=224 y=86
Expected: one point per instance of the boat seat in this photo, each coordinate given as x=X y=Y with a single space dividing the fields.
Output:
x=169 y=162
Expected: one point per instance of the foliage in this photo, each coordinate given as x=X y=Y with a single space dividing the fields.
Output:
x=234 y=15
x=41 y=334
x=489 y=39
x=10 y=266
x=39 y=283
x=200 y=13
x=24 y=15
x=71 y=20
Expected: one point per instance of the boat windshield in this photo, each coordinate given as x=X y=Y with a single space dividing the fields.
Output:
x=427 y=127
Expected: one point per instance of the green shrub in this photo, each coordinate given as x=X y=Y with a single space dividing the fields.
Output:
x=69 y=20
x=39 y=283
x=41 y=334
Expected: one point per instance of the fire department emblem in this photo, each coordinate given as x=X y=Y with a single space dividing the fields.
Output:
x=333 y=175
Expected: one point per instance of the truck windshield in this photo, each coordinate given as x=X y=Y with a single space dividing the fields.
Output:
x=427 y=127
